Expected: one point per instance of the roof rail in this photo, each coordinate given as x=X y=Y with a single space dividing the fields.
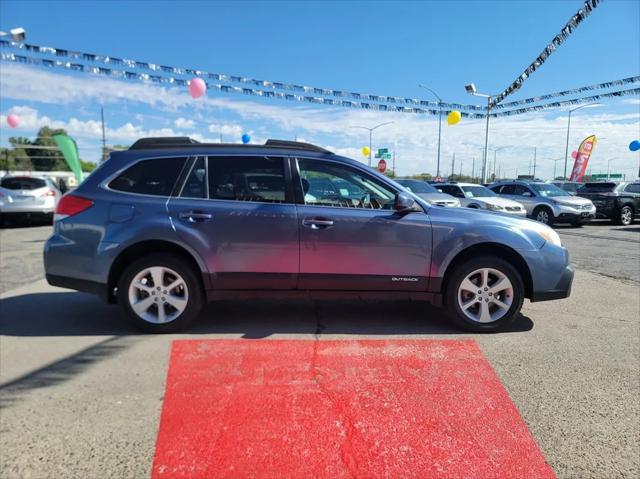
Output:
x=296 y=145
x=185 y=141
x=162 y=141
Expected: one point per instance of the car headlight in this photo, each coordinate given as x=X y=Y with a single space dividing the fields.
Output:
x=494 y=207
x=547 y=234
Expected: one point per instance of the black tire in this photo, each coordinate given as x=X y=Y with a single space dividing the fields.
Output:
x=193 y=286
x=455 y=279
x=624 y=216
x=536 y=215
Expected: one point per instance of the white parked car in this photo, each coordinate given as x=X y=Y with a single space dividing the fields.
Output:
x=28 y=197
x=481 y=197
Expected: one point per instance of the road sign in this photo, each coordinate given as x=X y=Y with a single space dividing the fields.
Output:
x=382 y=166
x=604 y=176
x=383 y=151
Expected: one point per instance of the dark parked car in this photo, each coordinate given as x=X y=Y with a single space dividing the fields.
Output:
x=618 y=201
x=169 y=224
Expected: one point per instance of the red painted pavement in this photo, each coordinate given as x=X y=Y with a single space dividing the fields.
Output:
x=334 y=409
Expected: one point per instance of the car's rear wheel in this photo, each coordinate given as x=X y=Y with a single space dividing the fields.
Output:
x=160 y=293
x=543 y=215
x=625 y=216
x=484 y=294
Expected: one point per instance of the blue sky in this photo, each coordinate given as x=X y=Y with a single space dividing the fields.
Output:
x=372 y=47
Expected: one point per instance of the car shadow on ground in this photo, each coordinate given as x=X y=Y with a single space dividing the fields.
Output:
x=79 y=314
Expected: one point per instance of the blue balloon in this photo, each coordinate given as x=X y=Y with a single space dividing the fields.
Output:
x=246 y=138
x=634 y=145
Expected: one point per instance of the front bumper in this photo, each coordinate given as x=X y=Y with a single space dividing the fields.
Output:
x=561 y=290
x=570 y=214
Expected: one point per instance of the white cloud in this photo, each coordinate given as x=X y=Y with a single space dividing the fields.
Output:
x=413 y=137
x=234 y=131
x=184 y=123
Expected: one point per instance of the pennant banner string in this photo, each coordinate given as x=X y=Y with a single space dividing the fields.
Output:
x=225 y=88
x=559 y=39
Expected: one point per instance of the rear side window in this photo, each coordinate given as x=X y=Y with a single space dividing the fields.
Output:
x=247 y=178
x=155 y=177
x=16 y=183
x=633 y=188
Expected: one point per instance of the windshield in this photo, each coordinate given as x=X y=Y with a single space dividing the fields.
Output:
x=602 y=187
x=477 y=191
x=416 y=186
x=22 y=183
x=547 y=190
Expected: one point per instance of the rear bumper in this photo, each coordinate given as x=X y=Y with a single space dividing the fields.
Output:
x=561 y=290
x=99 y=289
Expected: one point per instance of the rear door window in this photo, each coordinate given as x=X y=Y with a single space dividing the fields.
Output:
x=633 y=188
x=247 y=178
x=155 y=177
x=25 y=183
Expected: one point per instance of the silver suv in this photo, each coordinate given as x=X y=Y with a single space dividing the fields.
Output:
x=547 y=203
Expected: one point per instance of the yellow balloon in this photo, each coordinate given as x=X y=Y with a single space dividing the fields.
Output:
x=453 y=117
x=366 y=150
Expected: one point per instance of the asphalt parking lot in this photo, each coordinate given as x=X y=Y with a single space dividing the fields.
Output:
x=81 y=392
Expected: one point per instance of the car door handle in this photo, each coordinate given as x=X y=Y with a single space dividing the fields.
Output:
x=195 y=216
x=317 y=223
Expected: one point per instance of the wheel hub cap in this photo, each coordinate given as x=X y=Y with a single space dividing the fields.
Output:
x=485 y=295
x=158 y=294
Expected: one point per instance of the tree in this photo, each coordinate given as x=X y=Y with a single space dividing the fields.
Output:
x=45 y=159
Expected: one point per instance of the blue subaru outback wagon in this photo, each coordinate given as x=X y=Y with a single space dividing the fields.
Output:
x=171 y=223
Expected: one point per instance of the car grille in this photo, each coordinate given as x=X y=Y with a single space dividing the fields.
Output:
x=445 y=203
x=512 y=208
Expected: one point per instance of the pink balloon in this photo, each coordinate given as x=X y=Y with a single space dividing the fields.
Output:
x=574 y=154
x=13 y=120
x=197 y=87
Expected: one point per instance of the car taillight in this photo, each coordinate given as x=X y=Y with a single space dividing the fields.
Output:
x=48 y=193
x=71 y=205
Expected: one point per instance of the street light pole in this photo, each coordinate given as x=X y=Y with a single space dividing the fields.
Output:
x=371 y=134
x=439 y=124
x=471 y=88
x=566 y=148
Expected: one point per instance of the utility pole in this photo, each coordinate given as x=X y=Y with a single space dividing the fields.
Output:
x=393 y=168
x=535 y=150
x=461 y=163
x=473 y=170
x=104 y=138
x=453 y=165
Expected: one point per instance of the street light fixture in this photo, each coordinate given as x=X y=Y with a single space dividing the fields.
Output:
x=566 y=149
x=471 y=88
x=17 y=34
x=371 y=134
x=439 y=124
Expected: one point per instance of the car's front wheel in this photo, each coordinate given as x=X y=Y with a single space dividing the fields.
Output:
x=484 y=294
x=160 y=293
x=543 y=215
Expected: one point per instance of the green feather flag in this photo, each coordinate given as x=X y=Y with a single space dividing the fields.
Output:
x=69 y=150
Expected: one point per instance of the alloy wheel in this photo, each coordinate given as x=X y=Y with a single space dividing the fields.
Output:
x=158 y=294
x=626 y=216
x=543 y=216
x=485 y=295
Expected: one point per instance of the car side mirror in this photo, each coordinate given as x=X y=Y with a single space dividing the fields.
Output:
x=404 y=203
